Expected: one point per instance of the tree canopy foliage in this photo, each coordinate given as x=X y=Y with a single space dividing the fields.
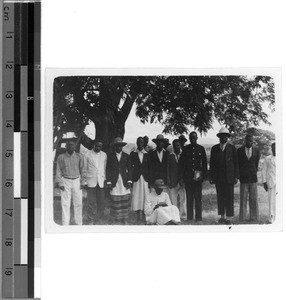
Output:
x=177 y=102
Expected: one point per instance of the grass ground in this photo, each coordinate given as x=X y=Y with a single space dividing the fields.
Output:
x=209 y=204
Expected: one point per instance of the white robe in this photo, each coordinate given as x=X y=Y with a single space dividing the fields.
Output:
x=140 y=193
x=161 y=215
x=269 y=176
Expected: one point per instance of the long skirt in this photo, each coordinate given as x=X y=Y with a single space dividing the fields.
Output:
x=140 y=193
x=119 y=207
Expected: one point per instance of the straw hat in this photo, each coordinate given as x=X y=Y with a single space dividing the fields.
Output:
x=223 y=130
x=118 y=141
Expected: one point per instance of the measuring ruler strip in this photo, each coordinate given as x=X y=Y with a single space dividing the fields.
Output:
x=21 y=113
x=37 y=148
x=20 y=100
x=8 y=147
x=31 y=171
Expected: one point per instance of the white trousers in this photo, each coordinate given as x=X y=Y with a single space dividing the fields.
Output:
x=72 y=191
x=272 y=203
x=178 y=198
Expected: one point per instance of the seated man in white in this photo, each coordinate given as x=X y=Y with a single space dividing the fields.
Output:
x=158 y=207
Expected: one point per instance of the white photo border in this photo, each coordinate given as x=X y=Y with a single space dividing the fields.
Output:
x=47 y=146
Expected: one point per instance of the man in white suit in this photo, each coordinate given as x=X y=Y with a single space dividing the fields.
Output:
x=95 y=178
x=269 y=181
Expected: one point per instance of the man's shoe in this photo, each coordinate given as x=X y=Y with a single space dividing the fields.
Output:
x=227 y=222
x=221 y=221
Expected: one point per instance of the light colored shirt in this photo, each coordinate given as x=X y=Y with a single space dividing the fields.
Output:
x=118 y=155
x=153 y=199
x=160 y=155
x=248 y=152
x=269 y=171
x=69 y=166
x=95 y=157
x=94 y=171
x=177 y=156
x=141 y=154
x=222 y=146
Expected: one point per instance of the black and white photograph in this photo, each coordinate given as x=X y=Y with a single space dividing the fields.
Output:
x=231 y=55
x=174 y=149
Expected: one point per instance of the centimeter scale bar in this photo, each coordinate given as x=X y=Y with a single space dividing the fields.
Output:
x=21 y=203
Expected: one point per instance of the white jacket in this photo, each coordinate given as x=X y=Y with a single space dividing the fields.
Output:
x=95 y=174
x=269 y=171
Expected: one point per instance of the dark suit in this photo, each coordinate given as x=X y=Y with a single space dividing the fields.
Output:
x=223 y=172
x=115 y=167
x=193 y=159
x=157 y=169
x=139 y=168
x=248 y=167
x=248 y=182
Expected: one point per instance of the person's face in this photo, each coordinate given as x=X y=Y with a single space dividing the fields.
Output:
x=140 y=144
x=223 y=138
x=249 y=142
x=193 y=138
x=97 y=147
x=182 y=142
x=158 y=190
x=118 y=148
x=160 y=145
x=177 y=147
x=273 y=149
x=70 y=147
x=146 y=141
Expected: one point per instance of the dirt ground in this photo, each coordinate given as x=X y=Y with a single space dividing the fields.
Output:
x=209 y=203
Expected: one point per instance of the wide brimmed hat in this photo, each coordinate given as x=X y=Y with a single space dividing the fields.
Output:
x=159 y=183
x=223 y=130
x=118 y=141
x=159 y=137
x=182 y=137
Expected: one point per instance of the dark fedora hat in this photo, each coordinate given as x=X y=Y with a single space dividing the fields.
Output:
x=118 y=141
x=159 y=137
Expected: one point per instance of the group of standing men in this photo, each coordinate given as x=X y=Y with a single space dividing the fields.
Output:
x=163 y=187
